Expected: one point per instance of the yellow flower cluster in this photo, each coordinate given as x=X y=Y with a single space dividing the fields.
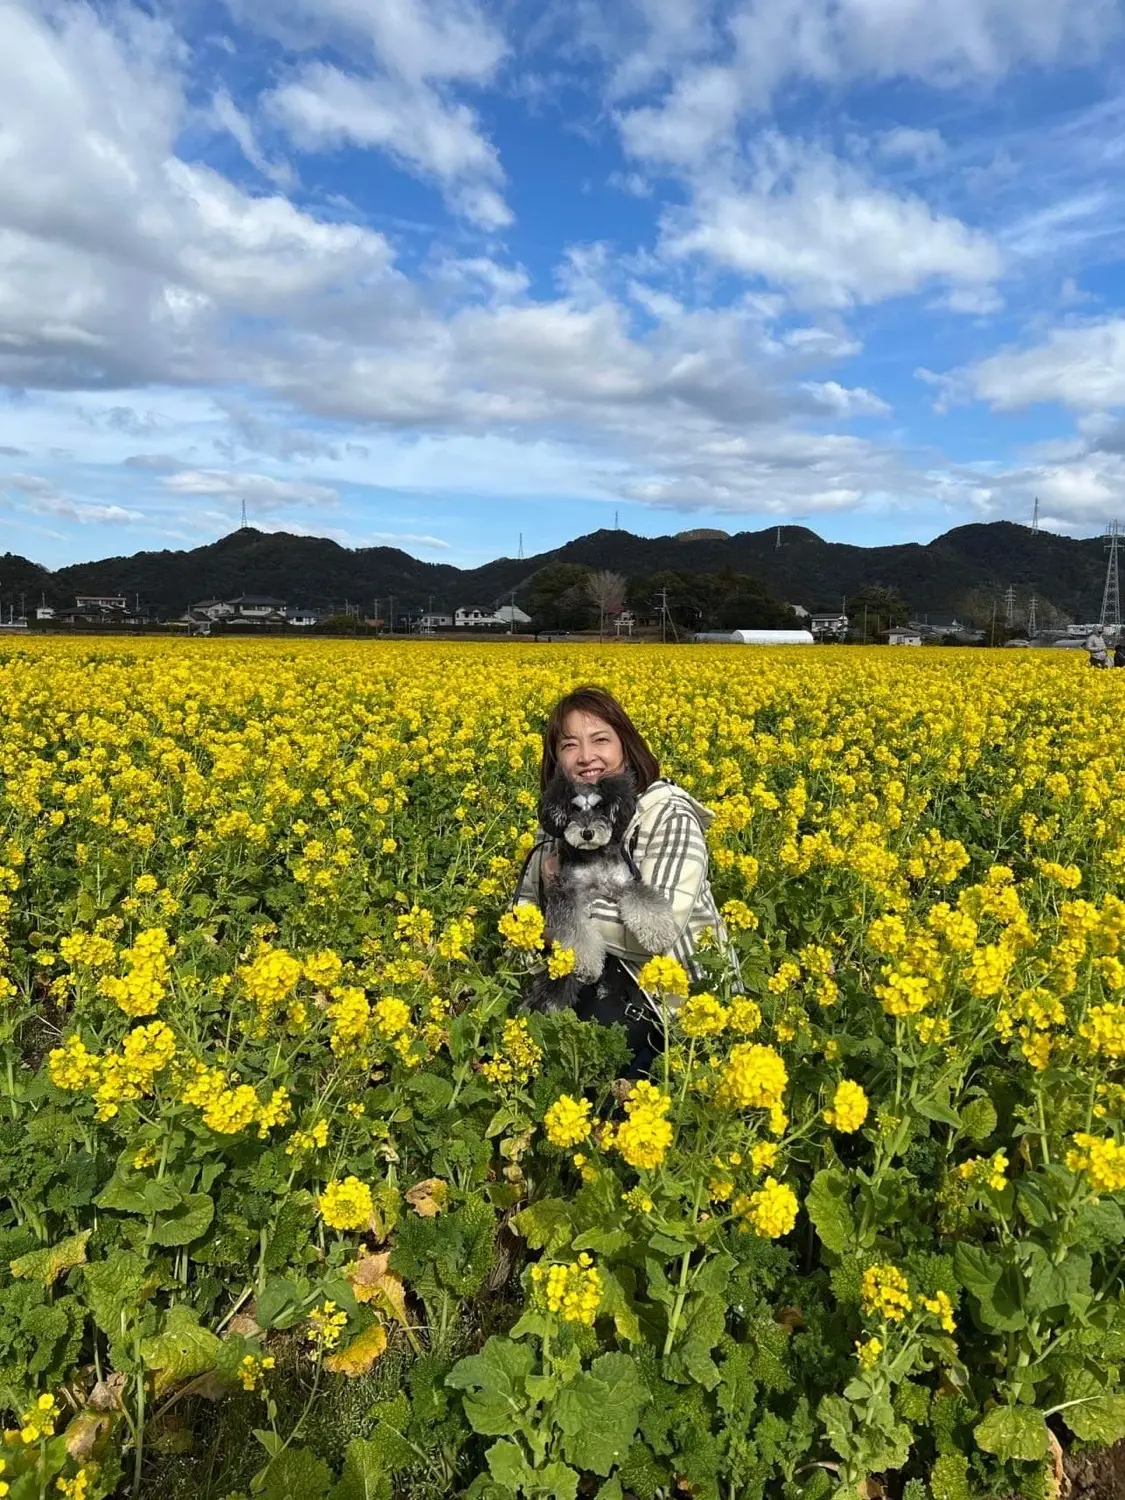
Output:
x=1101 y=1160
x=252 y=1369
x=941 y=1307
x=326 y=1325
x=115 y=1078
x=770 y=1211
x=754 y=1077
x=988 y=1171
x=560 y=962
x=519 y=1058
x=1103 y=1030
x=571 y=1291
x=849 y=1107
x=567 y=1122
x=522 y=928
x=347 y=1204
x=644 y=1136
x=144 y=985
x=702 y=1016
x=663 y=976
x=268 y=981
x=885 y=1291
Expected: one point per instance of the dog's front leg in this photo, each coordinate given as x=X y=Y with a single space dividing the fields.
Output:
x=571 y=926
x=648 y=916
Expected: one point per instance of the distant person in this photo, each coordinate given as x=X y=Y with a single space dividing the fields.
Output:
x=1097 y=649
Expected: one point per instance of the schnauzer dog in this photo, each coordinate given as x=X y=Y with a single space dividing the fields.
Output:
x=589 y=820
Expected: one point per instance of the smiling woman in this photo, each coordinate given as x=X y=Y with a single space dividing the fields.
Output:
x=590 y=736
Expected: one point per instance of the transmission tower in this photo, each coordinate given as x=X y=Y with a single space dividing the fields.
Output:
x=1009 y=606
x=244 y=512
x=1111 y=596
x=1035 y=515
x=520 y=553
x=1032 y=618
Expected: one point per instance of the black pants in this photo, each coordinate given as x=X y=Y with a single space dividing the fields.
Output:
x=614 y=999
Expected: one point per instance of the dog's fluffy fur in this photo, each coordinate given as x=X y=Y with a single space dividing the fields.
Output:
x=588 y=820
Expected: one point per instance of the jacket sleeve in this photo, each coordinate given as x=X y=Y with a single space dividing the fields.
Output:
x=675 y=863
x=528 y=888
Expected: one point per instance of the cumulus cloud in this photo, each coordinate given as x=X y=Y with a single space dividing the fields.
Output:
x=1081 y=367
x=812 y=222
x=259 y=490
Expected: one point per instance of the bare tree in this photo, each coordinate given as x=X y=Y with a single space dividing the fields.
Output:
x=607 y=590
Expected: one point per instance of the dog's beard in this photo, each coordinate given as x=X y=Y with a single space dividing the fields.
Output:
x=575 y=835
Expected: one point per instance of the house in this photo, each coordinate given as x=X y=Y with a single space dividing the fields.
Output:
x=257 y=607
x=44 y=612
x=212 y=609
x=832 y=627
x=474 y=618
x=903 y=638
x=431 y=622
x=301 y=617
x=512 y=616
x=101 y=601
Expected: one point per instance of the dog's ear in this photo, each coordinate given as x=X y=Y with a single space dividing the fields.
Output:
x=555 y=805
x=620 y=799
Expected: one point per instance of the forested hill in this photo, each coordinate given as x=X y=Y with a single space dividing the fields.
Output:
x=935 y=578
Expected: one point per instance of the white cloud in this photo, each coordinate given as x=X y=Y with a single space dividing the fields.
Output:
x=405 y=57
x=811 y=222
x=922 y=147
x=763 y=44
x=1081 y=367
x=258 y=490
x=323 y=108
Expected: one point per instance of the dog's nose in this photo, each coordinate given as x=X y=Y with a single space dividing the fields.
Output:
x=587 y=833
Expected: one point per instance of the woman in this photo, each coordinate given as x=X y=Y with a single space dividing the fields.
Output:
x=589 y=735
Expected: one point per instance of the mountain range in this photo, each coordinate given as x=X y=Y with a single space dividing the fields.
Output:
x=794 y=563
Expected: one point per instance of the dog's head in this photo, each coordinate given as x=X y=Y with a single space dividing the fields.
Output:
x=588 y=815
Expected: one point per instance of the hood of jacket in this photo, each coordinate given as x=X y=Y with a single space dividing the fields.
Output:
x=662 y=792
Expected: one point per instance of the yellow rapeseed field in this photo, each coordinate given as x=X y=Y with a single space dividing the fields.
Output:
x=274 y=1125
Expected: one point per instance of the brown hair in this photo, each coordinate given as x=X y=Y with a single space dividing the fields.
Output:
x=602 y=705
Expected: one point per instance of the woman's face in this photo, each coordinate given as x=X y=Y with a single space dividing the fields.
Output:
x=589 y=748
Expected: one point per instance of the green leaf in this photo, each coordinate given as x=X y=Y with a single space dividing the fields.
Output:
x=546 y=1225
x=610 y=1490
x=187 y=1222
x=978 y=1119
x=1014 y=1432
x=509 y=1467
x=48 y=1265
x=1101 y=1417
x=364 y=1476
x=559 y=1481
x=939 y=1111
x=280 y=1304
x=828 y=1206
x=295 y=1474
x=132 y=1192
x=995 y=1284
x=183 y=1351
x=115 y=1289
x=493 y=1382
x=598 y=1412
x=1049 y=1285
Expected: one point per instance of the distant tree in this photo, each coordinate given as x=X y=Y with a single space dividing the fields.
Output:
x=607 y=591
x=558 y=598
x=884 y=607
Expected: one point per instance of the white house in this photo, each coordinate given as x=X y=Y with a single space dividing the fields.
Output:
x=302 y=617
x=435 y=621
x=903 y=638
x=511 y=615
x=101 y=601
x=829 y=627
x=469 y=617
x=256 y=606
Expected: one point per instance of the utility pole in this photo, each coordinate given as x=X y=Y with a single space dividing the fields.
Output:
x=617 y=520
x=1009 y=606
x=992 y=642
x=1111 y=595
x=512 y=614
x=391 y=613
x=865 y=624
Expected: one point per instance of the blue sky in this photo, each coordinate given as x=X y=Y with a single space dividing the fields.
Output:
x=436 y=273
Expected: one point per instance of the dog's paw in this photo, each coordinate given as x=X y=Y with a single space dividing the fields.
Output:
x=548 y=996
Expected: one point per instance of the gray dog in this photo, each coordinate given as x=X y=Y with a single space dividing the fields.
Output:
x=588 y=820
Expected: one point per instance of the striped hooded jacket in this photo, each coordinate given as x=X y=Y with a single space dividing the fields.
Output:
x=666 y=840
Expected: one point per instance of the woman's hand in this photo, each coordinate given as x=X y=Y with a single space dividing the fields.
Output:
x=550 y=865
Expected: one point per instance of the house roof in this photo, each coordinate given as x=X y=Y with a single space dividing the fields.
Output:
x=257 y=601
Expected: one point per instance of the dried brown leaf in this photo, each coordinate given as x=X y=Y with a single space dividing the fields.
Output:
x=428 y=1198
